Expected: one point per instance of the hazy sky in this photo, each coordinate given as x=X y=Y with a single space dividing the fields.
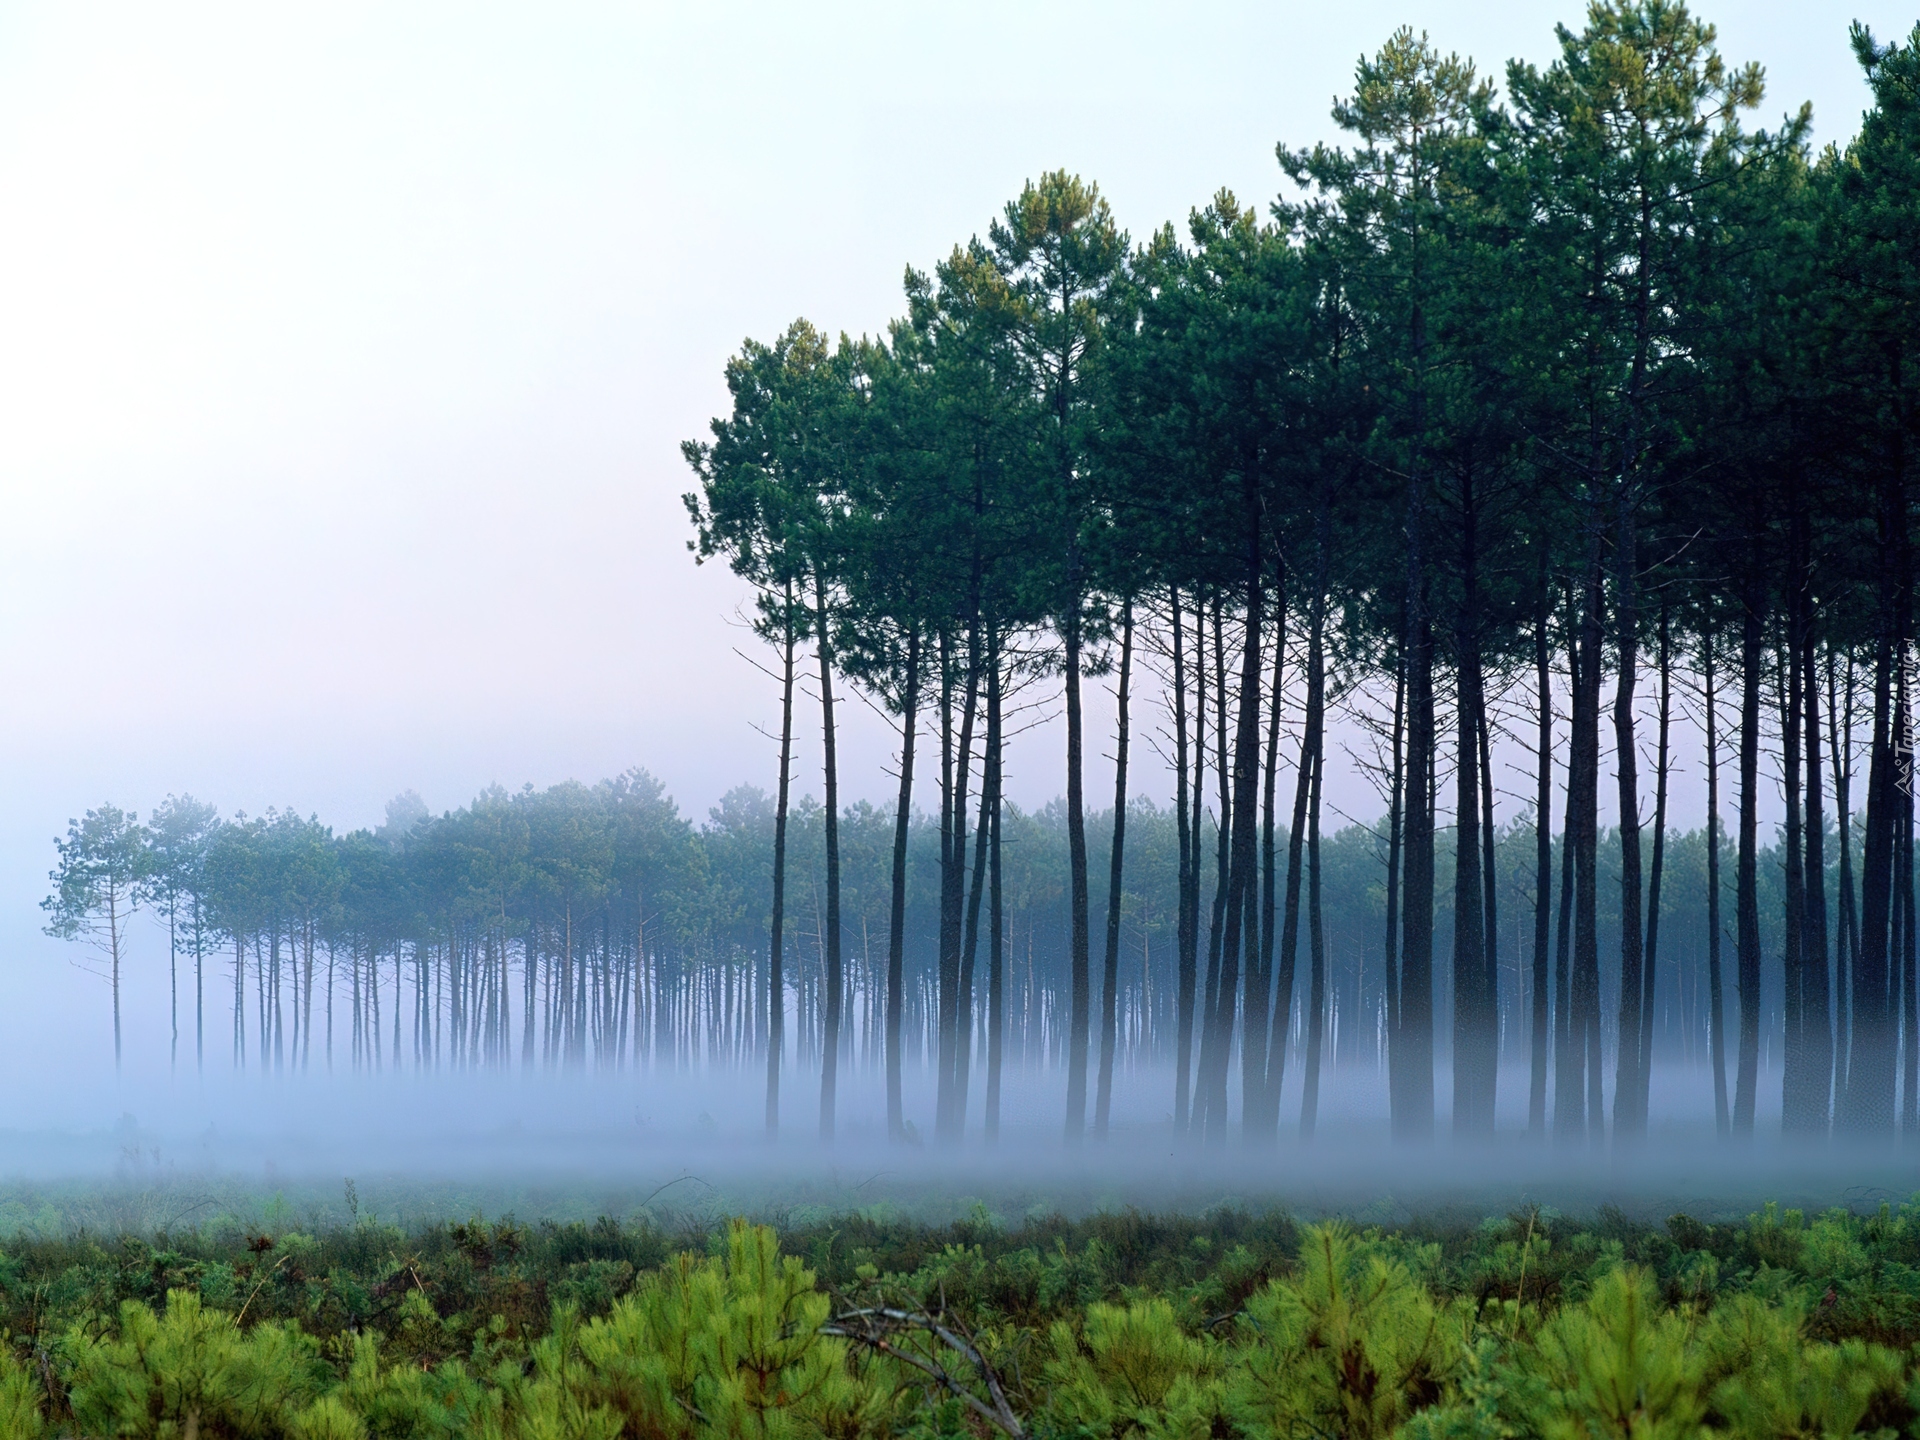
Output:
x=345 y=350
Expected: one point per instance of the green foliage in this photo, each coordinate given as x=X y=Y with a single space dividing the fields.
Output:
x=724 y=1345
x=21 y=1401
x=189 y=1370
x=1131 y=1370
x=1619 y=1365
x=1352 y=1345
x=1104 y=1327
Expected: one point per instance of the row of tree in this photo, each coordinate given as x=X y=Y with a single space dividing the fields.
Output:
x=463 y=941
x=1530 y=417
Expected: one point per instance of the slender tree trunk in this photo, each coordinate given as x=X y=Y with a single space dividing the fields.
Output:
x=114 y=920
x=1390 y=954
x=946 y=975
x=1282 y=1027
x=1583 y=820
x=1312 y=765
x=199 y=996
x=953 y=877
x=1110 y=973
x=1413 y=1104
x=1316 y=955
x=1200 y=1001
x=1661 y=770
x=835 y=983
x=963 y=1001
x=1747 y=902
x=1490 y=930
x=996 y=948
x=1793 y=1079
x=1840 y=727
x=1186 y=923
x=1903 y=876
x=897 y=899
x=173 y=982
x=1868 y=1111
x=1222 y=835
x=1246 y=771
x=1816 y=1020
x=1629 y=1120
x=1081 y=980
x=239 y=1000
x=1569 y=1090
x=1472 y=1108
x=1542 y=858
x=1256 y=1091
x=1716 y=1006
x=776 y=976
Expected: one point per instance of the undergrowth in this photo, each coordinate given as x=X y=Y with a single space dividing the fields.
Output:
x=1161 y=1327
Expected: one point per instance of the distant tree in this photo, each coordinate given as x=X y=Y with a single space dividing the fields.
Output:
x=177 y=835
x=96 y=889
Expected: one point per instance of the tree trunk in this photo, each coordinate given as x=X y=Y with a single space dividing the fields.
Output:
x=1816 y=1019
x=1472 y=1070
x=1082 y=999
x=1629 y=1121
x=1282 y=1027
x=1312 y=764
x=1187 y=922
x=1909 y=1013
x=1412 y=1104
x=199 y=995
x=1869 y=1107
x=1490 y=929
x=1390 y=954
x=1657 y=868
x=1542 y=858
x=963 y=999
x=1716 y=1006
x=173 y=982
x=1582 y=1108
x=1793 y=1078
x=1259 y=1118
x=1222 y=835
x=996 y=948
x=113 y=955
x=1110 y=971
x=830 y=1039
x=1316 y=954
x=897 y=897
x=1244 y=838
x=953 y=852
x=1840 y=728
x=1747 y=902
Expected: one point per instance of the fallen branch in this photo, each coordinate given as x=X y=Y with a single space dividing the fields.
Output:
x=876 y=1327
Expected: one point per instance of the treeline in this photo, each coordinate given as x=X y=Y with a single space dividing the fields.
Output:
x=1578 y=413
x=595 y=927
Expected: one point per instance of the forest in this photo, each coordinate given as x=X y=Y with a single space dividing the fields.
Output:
x=644 y=934
x=1543 y=440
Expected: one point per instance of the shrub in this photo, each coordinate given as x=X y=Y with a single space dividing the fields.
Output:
x=1351 y=1346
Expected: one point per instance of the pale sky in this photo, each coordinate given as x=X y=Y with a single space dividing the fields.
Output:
x=345 y=350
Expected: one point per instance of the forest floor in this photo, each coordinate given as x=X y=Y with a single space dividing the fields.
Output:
x=1239 y=1321
x=694 y=1183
